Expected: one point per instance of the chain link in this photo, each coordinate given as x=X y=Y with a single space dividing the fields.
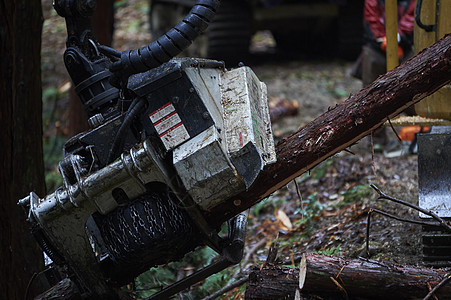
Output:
x=150 y=231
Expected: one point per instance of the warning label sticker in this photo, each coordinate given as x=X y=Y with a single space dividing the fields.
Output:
x=169 y=126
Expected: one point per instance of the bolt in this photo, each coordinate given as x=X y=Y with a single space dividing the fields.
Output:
x=96 y=120
x=205 y=115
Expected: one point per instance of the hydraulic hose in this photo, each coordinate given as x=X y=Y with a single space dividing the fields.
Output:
x=167 y=46
x=117 y=145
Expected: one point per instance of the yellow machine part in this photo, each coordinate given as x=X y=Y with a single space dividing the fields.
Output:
x=391 y=30
x=438 y=13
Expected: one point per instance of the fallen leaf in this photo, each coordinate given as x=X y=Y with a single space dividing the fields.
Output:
x=284 y=219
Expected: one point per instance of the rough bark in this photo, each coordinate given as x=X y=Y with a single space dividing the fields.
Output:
x=103 y=22
x=22 y=167
x=346 y=123
x=338 y=278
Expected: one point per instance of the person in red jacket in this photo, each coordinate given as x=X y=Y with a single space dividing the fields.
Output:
x=374 y=59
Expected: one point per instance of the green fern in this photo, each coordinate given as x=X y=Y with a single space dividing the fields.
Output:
x=332 y=251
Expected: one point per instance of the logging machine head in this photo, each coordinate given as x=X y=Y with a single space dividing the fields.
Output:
x=170 y=139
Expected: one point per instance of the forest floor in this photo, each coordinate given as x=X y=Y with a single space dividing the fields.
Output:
x=329 y=213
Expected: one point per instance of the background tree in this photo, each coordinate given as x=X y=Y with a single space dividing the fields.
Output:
x=22 y=167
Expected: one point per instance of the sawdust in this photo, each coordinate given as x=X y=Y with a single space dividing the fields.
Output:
x=418 y=120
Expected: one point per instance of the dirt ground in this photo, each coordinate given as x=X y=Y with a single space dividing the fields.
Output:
x=329 y=214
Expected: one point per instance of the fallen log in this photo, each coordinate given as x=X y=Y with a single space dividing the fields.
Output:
x=346 y=123
x=338 y=278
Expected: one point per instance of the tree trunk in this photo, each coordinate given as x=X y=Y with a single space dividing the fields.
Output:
x=346 y=123
x=22 y=167
x=339 y=278
x=78 y=119
x=103 y=22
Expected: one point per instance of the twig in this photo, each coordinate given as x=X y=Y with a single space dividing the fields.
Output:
x=254 y=248
x=290 y=261
x=367 y=245
x=401 y=219
x=348 y=151
x=341 y=270
x=292 y=257
x=373 y=165
x=442 y=222
x=228 y=288
x=373 y=210
x=298 y=191
x=394 y=130
x=430 y=289
x=371 y=261
x=340 y=287
x=442 y=283
x=273 y=252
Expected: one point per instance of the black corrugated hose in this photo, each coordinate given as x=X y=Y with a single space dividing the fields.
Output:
x=156 y=53
x=133 y=110
x=167 y=46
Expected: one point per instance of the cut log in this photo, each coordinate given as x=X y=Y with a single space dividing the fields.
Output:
x=280 y=108
x=338 y=278
x=346 y=123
